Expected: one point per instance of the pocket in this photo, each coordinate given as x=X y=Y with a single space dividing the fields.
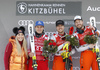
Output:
x=17 y=59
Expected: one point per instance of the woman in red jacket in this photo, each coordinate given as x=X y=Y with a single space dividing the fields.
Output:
x=15 y=56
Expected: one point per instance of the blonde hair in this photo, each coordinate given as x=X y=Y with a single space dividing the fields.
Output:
x=23 y=45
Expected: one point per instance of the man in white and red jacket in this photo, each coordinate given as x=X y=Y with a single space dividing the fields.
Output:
x=59 y=38
x=88 y=57
x=39 y=37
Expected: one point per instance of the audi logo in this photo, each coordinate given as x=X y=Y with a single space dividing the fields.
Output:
x=49 y=34
x=25 y=22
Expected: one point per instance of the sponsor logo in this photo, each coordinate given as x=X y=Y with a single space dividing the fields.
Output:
x=75 y=57
x=76 y=68
x=22 y=8
x=25 y=22
x=49 y=22
x=39 y=23
x=93 y=8
x=84 y=34
x=49 y=34
x=20 y=31
x=47 y=8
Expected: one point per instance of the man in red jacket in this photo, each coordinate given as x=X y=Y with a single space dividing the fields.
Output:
x=39 y=38
x=87 y=58
x=59 y=38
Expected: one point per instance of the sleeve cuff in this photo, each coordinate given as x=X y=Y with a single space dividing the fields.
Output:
x=95 y=29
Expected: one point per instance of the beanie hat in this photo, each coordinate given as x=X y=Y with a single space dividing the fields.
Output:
x=18 y=30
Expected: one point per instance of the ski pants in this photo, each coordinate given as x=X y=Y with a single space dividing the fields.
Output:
x=58 y=63
x=88 y=60
x=42 y=64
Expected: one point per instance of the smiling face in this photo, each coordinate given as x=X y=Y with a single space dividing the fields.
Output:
x=20 y=37
x=60 y=29
x=79 y=23
x=39 y=29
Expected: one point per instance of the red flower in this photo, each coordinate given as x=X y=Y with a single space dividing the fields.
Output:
x=50 y=43
x=54 y=44
x=91 y=34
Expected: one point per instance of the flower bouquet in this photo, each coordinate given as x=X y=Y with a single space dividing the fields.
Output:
x=90 y=38
x=72 y=39
x=50 y=47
